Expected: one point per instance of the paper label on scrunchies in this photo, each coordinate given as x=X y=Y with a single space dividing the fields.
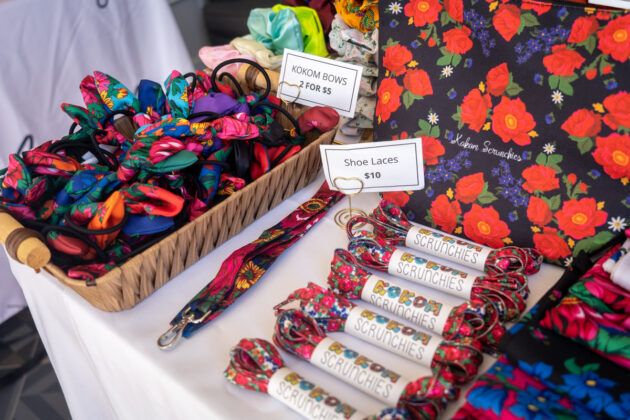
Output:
x=450 y=248
x=359 y=371
x=431 y=274
x=391 y=335
x=429 y=313
x=308 y=399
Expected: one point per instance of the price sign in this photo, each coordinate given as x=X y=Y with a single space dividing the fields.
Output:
x=381 y=166
x=316 y=81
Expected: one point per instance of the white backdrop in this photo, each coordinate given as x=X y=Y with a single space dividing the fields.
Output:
x=109 y=366
x=48 y=46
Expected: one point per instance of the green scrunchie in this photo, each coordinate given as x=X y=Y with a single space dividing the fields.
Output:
x=276 y=30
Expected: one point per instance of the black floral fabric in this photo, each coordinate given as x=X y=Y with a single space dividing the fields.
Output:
x=524 y=112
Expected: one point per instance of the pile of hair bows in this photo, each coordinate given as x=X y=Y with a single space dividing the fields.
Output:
x=345 y=30
x=134 y=168
x=447 y=338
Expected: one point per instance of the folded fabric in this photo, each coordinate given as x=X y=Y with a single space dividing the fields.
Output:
x=363 y=115
x=562 y=363
x=264 y=56
x=521 y=391
x=324 y=9
x=312 y=31
x=595 y=313
x=359 y=14
x=353 y=45
x=212 y=56
x=276 y=31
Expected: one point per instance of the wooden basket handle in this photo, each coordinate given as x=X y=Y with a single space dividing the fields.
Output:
x=252 y=78
x=24 y=245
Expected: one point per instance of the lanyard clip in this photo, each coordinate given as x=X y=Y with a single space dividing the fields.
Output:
x=170 y=337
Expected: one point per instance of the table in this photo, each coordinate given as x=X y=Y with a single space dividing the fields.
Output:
x=48 y=46
x=109 y=366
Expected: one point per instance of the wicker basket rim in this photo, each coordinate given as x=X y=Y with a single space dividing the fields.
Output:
x=115 y=273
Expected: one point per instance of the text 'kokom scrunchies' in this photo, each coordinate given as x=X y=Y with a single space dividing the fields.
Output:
x=400 y=231
x=336 y=313
x=475 y=319
x=424 y=398
x=507 y=291
x=256 y=364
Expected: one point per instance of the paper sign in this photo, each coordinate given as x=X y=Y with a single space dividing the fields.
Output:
x=382 y=166
x=322 y=82
x=621 y=4
x=308 y=399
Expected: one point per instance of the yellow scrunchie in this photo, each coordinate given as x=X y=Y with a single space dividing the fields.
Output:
x=359 y=14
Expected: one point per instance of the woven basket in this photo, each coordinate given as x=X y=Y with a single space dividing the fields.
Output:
x=124 y=286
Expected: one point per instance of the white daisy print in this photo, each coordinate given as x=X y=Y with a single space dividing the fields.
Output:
x=395 y=8
x=617 y=224
x=568 y=262
x=433 y=118
x=557 y=97
x=447 y=71
x=549 y=148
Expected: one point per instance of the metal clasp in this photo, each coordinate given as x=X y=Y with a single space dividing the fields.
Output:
x=170 y=337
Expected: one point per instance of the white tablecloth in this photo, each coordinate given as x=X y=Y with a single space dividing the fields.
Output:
x=109 y=365
x=48 y=46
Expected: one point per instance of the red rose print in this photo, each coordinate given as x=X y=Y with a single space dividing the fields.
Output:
x=469 y=187
x=579 y=218
x=614 y=39
x=537 y=7
x=498 y=79
x=475 y=109
x=423 y=11
x=455 y=9
x=457 y=40
x=417 y=82
x=538 y=211
x=484 y=226
x=590 y=75
x=444 y=213
x=562 y=61
x=582 y=28
x=618 y=107
x=541 y=178
x=507 y=20
x=583 y=123
x=511 y=121
x=572 y=178
x=400 y=198
x=550 y=244
x=396 y=58
x=607 y=69
x=431 y=149
x=603 y=14
x=613 y=153
x=388 y=98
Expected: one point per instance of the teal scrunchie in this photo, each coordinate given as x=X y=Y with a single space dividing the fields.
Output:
x=276 y=31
